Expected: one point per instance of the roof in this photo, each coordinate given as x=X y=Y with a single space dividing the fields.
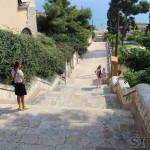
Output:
x=142 y=26
x=43 y=14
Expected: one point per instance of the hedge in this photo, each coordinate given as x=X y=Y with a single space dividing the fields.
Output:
x=37 y=59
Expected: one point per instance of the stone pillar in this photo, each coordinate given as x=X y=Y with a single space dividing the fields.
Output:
x=31 y=20
x=114 y=66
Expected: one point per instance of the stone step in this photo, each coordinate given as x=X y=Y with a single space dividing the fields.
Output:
x=104 y=88
x=77 y=100
x=62 y=128
x=9 y=110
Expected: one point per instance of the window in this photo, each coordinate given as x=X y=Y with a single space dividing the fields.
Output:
x=26 y=31
x=23 y=3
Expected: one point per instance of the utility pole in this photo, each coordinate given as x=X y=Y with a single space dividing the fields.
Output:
x=117 y=35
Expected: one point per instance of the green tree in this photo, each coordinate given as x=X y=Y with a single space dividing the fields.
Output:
x=111 y=38
x=133 y=59
x=126 y=8
x=142 y=39
x=130 y=38
x=66 y=24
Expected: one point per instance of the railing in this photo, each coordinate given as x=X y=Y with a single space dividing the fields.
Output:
x=109 y=54
x=135 y=99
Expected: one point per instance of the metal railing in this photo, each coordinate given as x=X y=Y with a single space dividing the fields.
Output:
x=109 y=54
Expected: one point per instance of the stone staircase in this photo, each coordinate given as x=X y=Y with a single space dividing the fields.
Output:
x=90 y=119
x=69 y=118
x=76 y=116
x=79 y=97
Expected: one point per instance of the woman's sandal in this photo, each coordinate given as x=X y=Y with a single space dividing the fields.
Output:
x=20 y=108
x=25 y=108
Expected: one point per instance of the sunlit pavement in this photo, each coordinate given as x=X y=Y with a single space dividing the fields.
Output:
x=76 y=116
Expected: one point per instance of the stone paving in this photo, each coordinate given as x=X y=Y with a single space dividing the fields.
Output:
x=76 y=116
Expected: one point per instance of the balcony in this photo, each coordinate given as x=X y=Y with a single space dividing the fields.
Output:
x=23 y=4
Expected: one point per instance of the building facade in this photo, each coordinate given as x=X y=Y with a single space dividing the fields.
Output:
x=18 y=16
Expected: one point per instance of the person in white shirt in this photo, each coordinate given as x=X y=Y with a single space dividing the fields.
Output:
x=104 y=76
x=20 y=90
x=99 y=76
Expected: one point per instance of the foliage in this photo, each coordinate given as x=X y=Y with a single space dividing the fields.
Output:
x=112 y=40
x=133 y=59
x=130 y=37
x=36 y=58
x=136 y=77
x=126 y=9
x=67 y=24
x=142 y=39
x=46 y=41
x=93 y=34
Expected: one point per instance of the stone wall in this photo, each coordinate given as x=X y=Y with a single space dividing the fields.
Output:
x=109 y=54
x=71 y=65
x=90 y=40
x=136 y=99
x=31 y=20
x=7 y=92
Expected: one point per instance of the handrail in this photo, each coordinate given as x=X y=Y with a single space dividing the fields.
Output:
x=109 y=54
x=132 y=91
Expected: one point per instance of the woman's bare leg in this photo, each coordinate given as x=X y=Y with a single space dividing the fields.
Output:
x=19 y=101
x=100 y=82
x=97 y=82
x=22 y=101
x=23 y=104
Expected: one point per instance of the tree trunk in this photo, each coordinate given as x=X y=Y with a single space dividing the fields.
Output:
x=124 y=30
x=112 y=44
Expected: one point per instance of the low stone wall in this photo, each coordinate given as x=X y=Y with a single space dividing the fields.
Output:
x=90 y=40
x=109 y=54
x=71 y=65
x=136 y=99
x=123 y=91
x=7 y=92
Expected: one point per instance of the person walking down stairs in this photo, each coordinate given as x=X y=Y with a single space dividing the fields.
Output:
x=99 y=76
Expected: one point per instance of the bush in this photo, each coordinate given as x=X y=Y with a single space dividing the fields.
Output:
x=37 y=59
x=93 y=34
x=131 y=38
x=46 y=41
x=136 y=77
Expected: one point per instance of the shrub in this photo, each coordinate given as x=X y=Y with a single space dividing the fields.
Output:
x=37 y=59
x=46 y=41
x=131 y=38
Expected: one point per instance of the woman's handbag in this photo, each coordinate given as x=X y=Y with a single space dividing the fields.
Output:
x=100 y=75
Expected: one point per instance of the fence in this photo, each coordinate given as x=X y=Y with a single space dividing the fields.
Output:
x=109 y=54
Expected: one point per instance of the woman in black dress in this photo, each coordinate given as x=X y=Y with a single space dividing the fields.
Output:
x=20 y=91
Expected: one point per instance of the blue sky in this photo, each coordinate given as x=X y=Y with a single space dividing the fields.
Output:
x=99 y=10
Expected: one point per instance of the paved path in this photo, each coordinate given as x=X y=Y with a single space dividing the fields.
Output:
x=84 y=71
x=73 y=117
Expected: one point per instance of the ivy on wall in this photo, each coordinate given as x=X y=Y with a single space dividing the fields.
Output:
x=38 y=58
